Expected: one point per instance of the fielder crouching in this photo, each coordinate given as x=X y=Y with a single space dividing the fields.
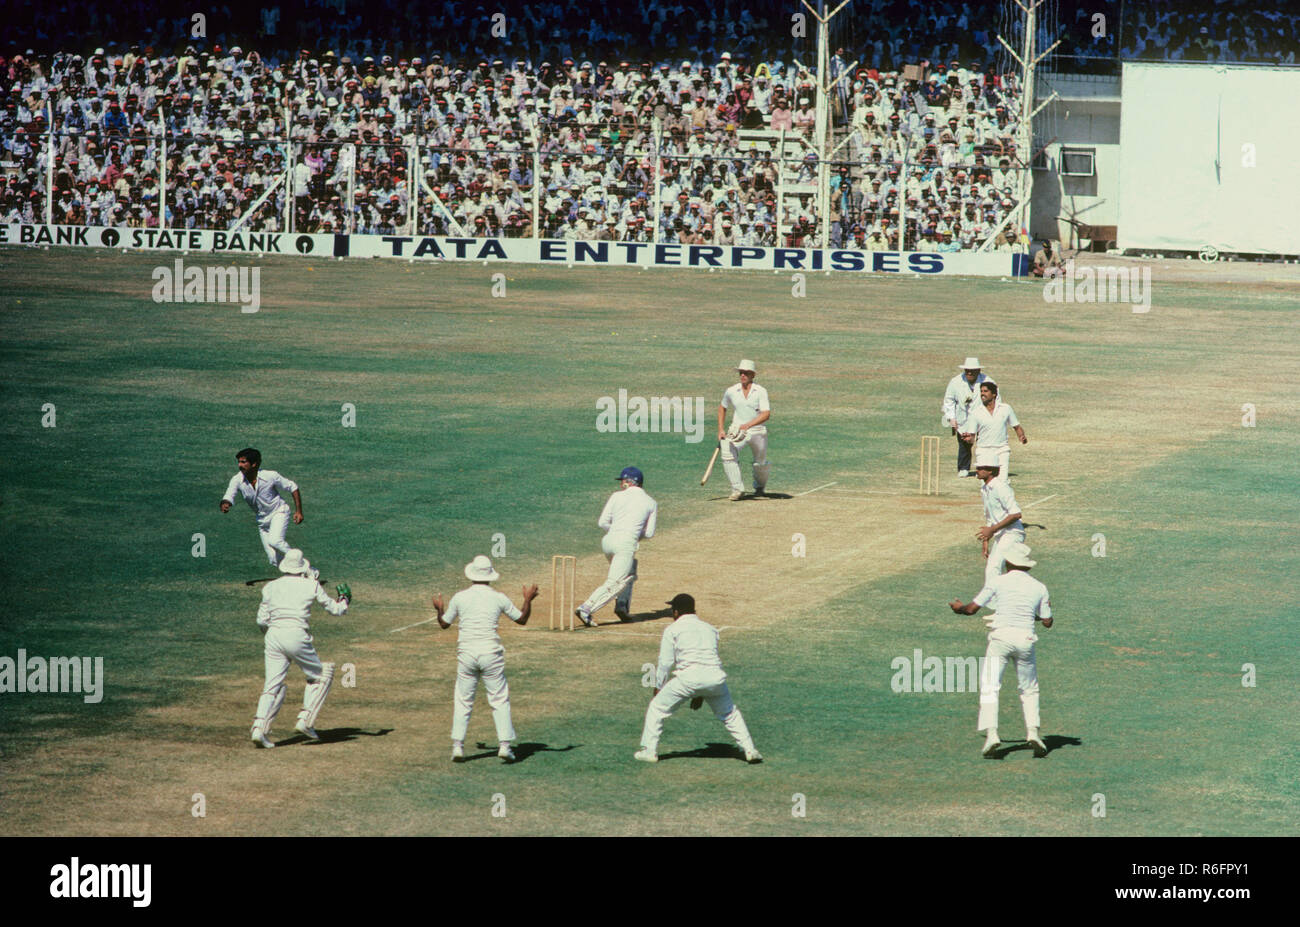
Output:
x=286 y=605
x=688 y=652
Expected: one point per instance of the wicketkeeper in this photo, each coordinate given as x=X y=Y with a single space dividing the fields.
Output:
x=286 y=604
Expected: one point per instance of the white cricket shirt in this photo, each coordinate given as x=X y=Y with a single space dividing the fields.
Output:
x=991 y=427
x=479 y=609
x=746 y=408
x=630 y=511
x=287 y=601
x=999 y=502
x=264 y=498
x=1018 y=599
x=689 y=643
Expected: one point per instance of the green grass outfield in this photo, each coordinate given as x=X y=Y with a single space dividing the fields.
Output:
x=476 y=416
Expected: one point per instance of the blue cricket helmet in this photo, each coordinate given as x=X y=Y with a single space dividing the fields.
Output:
x=632 y=473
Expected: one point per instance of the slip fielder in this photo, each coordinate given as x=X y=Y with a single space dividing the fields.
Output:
x=480 y=653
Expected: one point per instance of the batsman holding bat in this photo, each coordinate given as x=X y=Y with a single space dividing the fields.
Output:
x=748 y=427
x=286 y=605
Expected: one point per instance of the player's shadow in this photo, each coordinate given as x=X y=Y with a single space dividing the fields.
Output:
x=522 y=750
x=750 y=497
x=1052 y=742
x=336 y=735
x=646 y=616
x=709 y=752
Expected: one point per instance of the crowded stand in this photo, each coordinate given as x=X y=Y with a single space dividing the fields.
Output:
x=665 y=122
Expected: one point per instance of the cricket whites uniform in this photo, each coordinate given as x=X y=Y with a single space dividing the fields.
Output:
x=958 y=401
x=746 y=409
x=1018 y=599
x=999 y=502
x=991 y=432
x=690 y=645
x=269 y=506
x=481 y=655
x=286 y=605
x=628 y=516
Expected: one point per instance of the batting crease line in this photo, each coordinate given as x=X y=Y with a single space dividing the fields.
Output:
x=1038 y=501
x=815 y=488
x=416 y=625
x=874 y=492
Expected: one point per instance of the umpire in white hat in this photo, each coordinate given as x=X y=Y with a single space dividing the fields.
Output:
x=1019 y=601
x=962 y=395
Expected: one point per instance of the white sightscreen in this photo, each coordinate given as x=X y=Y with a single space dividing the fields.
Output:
x=1187 y=137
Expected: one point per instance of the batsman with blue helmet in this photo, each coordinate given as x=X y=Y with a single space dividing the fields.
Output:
x=628 y=516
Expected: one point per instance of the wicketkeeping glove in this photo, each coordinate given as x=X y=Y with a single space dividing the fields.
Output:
x=344 y=591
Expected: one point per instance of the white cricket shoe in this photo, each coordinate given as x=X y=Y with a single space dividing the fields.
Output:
x=584 y=617
x=1040 y=748
x=308 y=732
x=963 y=473
x=735 y=496
x=752 y=755
x=505 y=754
x=991 y=744
x=646 y=756
x=260 y=740
x=457 y=753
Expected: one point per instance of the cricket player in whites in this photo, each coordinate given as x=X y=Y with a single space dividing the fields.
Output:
x=748 y=426
x=688 y=651
x=1002 y=522
x=1019 y=601
x=629 y=515
x=286 y=604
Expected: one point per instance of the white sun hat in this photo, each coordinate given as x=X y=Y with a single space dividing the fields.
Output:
x=480 y=570
x=295 y=562
x=747 y=364
x=972 y=363
x=1018 y=555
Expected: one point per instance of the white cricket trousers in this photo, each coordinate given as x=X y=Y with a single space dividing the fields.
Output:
x=621 y=551
x=998 y=552
x=272 y=531
x=490 y=666
x=756 y=438
x=1009 y=645
x=712 y=687
x=285 y=644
